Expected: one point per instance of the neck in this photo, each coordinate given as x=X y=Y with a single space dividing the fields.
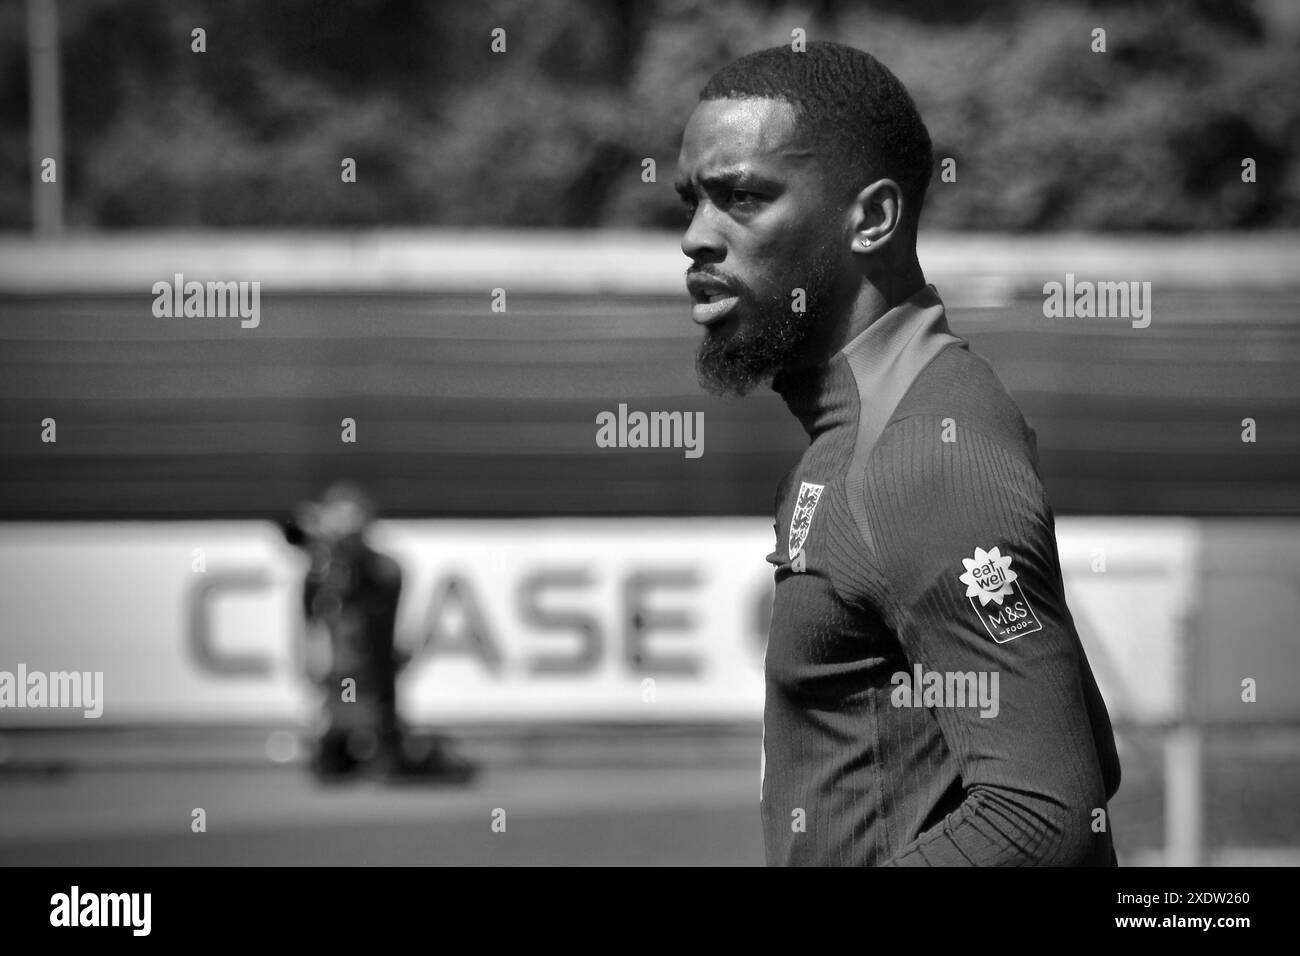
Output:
x=871 y=374
x=876 y=294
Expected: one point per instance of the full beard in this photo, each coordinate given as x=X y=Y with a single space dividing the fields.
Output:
x=772 y=338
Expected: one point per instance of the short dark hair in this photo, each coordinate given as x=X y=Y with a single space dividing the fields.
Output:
x=853 y=110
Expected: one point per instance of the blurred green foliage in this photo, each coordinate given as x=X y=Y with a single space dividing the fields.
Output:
x=1047 y=135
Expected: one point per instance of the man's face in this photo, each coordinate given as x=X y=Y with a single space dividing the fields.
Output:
x=762 y=225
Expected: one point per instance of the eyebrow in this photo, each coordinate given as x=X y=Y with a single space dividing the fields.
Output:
x=721 y=178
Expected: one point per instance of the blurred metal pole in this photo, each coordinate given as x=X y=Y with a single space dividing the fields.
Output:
x=1185 y=742
x=1184 y=798
x=46 y=114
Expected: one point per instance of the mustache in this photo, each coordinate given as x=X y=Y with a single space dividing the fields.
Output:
x=706 y=272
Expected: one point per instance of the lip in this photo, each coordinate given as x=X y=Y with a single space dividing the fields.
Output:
x=710 y=313
x=701 y=285
x=714 y=299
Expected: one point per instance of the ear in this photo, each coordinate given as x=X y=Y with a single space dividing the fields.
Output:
x=876 y=215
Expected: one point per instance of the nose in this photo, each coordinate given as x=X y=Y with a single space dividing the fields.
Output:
x=701 y=242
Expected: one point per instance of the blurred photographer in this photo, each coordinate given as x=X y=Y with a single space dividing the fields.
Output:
x=350 y=601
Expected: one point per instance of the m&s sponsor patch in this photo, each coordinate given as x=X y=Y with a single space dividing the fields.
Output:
x=993 y=592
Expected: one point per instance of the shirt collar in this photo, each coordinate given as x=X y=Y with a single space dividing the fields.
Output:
x=870 y=375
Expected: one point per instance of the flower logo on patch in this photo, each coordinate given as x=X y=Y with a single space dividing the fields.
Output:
x=988 y=576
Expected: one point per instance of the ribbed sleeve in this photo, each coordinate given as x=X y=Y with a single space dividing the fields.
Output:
x=1034 y=787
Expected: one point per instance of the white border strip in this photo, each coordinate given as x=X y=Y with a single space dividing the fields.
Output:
x=598 y=262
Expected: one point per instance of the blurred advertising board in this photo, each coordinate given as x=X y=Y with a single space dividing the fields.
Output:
x=621 y=620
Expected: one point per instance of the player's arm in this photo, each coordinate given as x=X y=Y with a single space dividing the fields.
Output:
x=1031 y=774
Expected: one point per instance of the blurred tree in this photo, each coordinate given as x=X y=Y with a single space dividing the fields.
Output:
x=1046 y=134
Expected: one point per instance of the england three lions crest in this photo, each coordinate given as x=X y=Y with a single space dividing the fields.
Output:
x=801 y=520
